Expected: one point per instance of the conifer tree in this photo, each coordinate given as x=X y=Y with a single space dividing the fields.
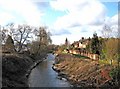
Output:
x=10 y=44
x=95 y=44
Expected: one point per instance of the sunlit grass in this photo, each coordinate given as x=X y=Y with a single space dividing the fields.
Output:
x=80 y=56
x=104 y=61
x=107 y=62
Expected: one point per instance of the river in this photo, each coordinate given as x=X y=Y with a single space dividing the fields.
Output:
x=44 y=76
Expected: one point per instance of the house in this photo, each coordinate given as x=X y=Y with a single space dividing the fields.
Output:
x=81 y=44
x=79 y=47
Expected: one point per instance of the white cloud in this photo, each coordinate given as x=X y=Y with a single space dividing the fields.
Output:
x=80 y=11
x=109 y=0
x=21 y=10
x=77 y=33
x=114 y=24
x=60 y=39
x=114 y=20
x=40 y=1
x=82 y=19
x=80 y=15
x=4 y=17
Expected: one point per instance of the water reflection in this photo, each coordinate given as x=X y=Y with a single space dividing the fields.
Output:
x=44 y=76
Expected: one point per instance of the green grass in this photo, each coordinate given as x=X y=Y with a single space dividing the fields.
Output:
x=104 y=61
x=107 y=62
x=80 y=56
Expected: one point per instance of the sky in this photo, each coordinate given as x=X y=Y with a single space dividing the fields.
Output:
x=71 y=19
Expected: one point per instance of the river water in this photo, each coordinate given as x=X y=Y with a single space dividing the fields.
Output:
x=44 y=76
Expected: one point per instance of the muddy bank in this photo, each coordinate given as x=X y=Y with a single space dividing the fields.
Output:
x=15 y=69
x=83 y=72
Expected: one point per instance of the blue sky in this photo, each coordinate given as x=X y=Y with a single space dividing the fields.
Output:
x=65 y=18
x=112 y=8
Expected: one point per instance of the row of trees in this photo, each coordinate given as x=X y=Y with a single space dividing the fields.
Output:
x=107 y=47
x=21 y=37
x=41 y=45
x=109 y=51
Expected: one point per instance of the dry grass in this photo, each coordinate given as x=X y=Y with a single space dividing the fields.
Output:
x=82 y=69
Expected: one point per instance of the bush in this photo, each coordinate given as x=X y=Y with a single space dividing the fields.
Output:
x=115 y=73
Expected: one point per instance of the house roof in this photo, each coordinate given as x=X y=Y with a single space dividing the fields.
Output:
x=83 y=42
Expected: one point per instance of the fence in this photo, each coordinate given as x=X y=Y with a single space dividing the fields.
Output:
x=85 y=53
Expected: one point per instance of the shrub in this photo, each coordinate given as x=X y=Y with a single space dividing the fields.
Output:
x=115 y=73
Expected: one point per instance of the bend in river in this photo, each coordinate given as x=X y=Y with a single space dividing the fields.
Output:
x=44 y=76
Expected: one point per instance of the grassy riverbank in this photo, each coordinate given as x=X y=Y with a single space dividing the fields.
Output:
x=15 y=69
x=82 y=71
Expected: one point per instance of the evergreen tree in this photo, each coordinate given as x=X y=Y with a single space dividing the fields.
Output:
x=95 y=44
x=9 y=44
x=66 y=42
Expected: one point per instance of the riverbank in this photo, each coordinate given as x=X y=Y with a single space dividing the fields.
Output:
x=44 y=76
x=16 y=69
x=83 y=72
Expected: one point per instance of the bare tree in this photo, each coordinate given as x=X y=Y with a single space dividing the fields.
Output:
x=43 y=40
x=20 y=34
x=44 y=36
x=23 y=35
x=34 y=47
x=3 y=34
x=110 y=31
x=107 y=31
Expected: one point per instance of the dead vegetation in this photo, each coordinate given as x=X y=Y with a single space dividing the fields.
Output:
x=83 y=72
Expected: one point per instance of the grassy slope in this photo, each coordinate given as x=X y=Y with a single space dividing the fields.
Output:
x=14 y=69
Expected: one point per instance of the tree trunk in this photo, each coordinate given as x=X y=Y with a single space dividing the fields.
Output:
x=20 y=47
